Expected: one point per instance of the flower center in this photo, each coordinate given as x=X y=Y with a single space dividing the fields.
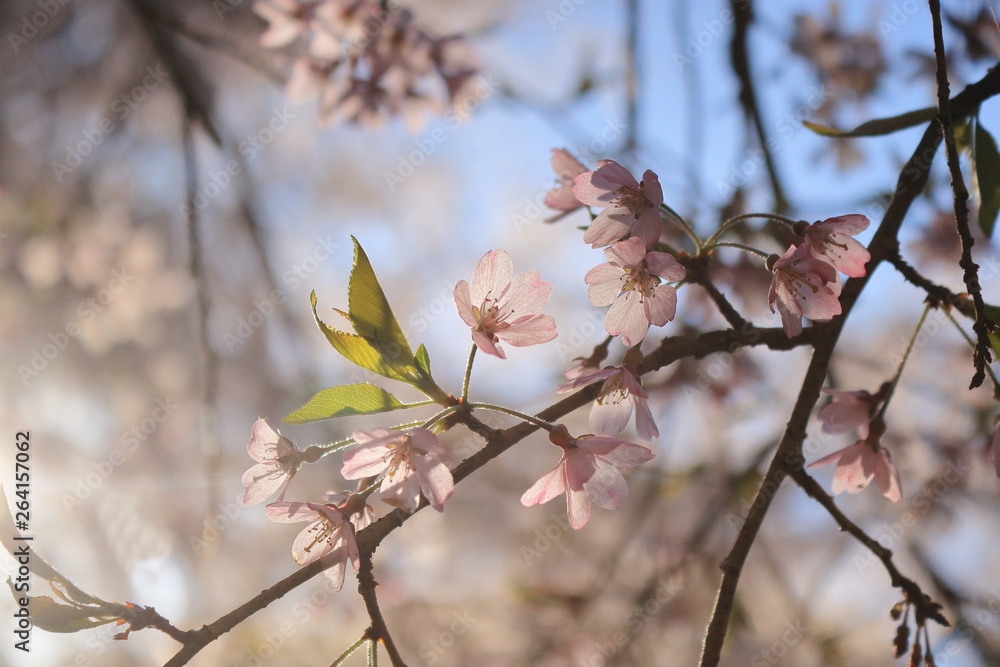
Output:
x=638 y=279
x=632 y=199
x=613 y=391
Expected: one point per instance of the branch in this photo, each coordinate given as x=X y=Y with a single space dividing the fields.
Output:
x=378 y=629
x=788 y=457
x=982 y=355
x=738 y=53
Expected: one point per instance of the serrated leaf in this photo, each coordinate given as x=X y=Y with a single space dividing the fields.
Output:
x=986 y=177
x=345 y=401
x=423 y=361
x=370 y=313
x=877 y=127
x=359 y=351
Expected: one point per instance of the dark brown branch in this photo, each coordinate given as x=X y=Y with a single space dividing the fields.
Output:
x=936 y=294
x=378 y=629
x=697 y=273
x=740 y=59
x=982 y=355
x=923 y=604
x=788 y=456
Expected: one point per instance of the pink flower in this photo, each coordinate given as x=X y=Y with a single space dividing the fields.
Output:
x=631 y=207
x=500 y=308
x=330 y=535
x=830 y=241
x=561 y=197
x=278 y=459
x=620 y=393
x=630 y=283
x=858 y=464
x=849 y=410
x=411 y=463
x=803 y=286
x=588 y=472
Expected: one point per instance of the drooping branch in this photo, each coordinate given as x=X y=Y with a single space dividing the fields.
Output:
x=982 y=356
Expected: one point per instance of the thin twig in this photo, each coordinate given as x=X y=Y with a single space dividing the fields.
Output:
x=378 y=630
x=981 y=357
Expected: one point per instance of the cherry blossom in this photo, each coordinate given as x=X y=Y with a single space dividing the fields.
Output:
x=630 y=282
x=410 y=461
x=561 y=197
x=830 y=241
x=586 y=473
x=847 y=411
x=858 y=464
x=620 y=394
x=330 y=533
x=278 y=459
x=499 y=307
x=630 y=207
x=802 y=286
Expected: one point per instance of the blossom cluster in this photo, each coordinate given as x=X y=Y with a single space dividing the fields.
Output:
x=367 y=60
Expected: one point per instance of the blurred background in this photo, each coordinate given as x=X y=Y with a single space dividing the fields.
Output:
x=141 y=339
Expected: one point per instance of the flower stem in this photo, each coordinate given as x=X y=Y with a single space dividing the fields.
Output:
x=468 y=373
x=684 y=226
x=729 y=224
x=899 y=371
x=514 y=413
x=739 y=246
x=350 y=649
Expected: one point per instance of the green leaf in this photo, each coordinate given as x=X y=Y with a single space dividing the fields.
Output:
x=986 y=177
x=53 y=616
x=423 y=361
x=370 y=313
x=877 y=127
x=345 y=401
x=359 y=351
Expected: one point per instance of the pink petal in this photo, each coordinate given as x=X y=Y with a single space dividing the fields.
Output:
x=791 y=322
x=610 y=418
x=587 y=378
x=401 y=490
x=848 y=224
x=491 y=276
x=644 y=424
x=887 y=477
x=606 y=487
x=628 y=253
x=487 y=345
x=366 y=461
x=577 y=508
x=463 y=303
x=435 y=480
x=580 y=465
x=627 y=318
x=617 y=175
x=529 y=330
x=286 y=512
x=548 y=487
x=427 y=442
x=528 y=294
x=648 y=226
x=306 y=549
x=605 y=229
x=651 y=187
x=261 y=481
x=665 y=266
x=661 y=305
x=262 y=440
x=604 y=284
x=628 y=454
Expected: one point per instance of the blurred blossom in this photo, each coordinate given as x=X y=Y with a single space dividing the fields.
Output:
x=802 y=287
x=561 y=197
x=858 y=464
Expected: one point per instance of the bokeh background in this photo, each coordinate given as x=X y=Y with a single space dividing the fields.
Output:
x=139 y=429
